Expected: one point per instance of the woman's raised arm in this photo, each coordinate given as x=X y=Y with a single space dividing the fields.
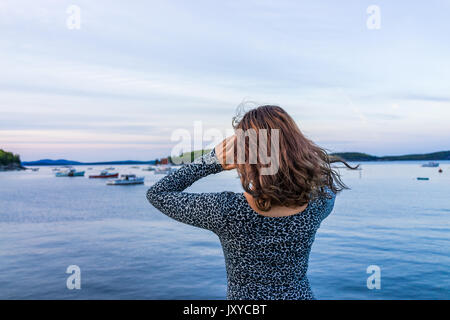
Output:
x=204 y=210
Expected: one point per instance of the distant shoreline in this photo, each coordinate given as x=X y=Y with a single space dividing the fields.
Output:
x=78 y=163
x=356 y=156
x=348 y=156
x=11 y=167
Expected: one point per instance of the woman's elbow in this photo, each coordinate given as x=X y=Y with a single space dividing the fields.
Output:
x=151 y=196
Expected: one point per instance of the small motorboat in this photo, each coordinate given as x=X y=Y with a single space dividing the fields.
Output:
x=431 y=164
x=164 y=170
x=126 y=179
x=110 y=168
x=423 y=178
x=62 y=174
x=104 y=175
x=74 y=173
x=150 y=168
x=70 y=173
x=34 y=169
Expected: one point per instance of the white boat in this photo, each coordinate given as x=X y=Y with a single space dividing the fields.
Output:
x=149 y=168
x=126 y=179
x=164 y=170
x=431 y=164
x=70 y=173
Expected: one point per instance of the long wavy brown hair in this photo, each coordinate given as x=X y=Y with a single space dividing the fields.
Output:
x=304 y=168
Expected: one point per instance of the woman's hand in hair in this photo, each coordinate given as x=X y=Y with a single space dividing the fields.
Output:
x=226 y=150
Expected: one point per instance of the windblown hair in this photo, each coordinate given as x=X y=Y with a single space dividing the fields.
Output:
x=304 y=168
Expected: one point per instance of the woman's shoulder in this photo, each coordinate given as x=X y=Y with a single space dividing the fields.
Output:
x=323 y=202
x=327 y=193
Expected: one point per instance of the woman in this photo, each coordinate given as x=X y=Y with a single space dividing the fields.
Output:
x=267 y=231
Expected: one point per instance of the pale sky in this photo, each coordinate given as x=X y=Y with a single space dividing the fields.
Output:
x=117 y=88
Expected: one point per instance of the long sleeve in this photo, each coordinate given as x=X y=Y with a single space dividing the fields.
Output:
x=204 y=210
x=326 y=203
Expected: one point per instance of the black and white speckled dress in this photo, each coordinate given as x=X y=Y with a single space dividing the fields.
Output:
x=266 y=257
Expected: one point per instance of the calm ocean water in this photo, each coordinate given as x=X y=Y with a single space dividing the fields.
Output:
x=128 y=250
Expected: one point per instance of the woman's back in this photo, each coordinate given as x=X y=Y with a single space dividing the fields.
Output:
x=265 y=257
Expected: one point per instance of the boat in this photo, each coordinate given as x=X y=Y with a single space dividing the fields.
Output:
x=423 y=178
x=74 y=173
x=61 y=173
x=110 y=168
x=431 y=164
x=104 y=175
x=34 y=169
x=70 y=173
x=126 y=179
x=164 y=170
x=134 y=167
x=150 y=168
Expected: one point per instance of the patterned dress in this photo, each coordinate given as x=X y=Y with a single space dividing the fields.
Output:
x=265 y=257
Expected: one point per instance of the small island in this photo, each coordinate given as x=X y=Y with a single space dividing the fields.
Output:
x=9 y=161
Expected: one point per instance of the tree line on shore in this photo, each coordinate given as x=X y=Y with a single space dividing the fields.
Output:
x=8 y=158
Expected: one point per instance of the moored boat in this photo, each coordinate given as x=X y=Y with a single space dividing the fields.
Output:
x=423 y=178
x=104 y=175
x=126 y=179
x=62 y=174
x=70 y=173
x=431 y=164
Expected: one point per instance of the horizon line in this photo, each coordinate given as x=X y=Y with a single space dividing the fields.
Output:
x=152 y=160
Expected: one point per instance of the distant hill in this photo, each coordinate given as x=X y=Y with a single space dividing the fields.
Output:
x=356 y=156
x=64 y=162
x=442 y=155
x=50 y=162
